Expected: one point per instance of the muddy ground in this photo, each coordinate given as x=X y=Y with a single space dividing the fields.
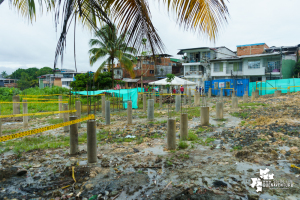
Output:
x=217 y=162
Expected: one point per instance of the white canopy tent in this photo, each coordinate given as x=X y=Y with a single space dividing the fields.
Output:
x=176 y=81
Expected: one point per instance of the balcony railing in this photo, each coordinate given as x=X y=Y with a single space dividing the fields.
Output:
x=191 y=73
x=269 y=70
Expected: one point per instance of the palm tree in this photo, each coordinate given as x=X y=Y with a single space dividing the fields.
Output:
x=111 y=46
x=4 y=74
x=133 y=16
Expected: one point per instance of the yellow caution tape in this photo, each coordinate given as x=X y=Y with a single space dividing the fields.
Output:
x=73 y=173
x=47 y=128
x=42 y=99
x=42 y=95
x=160 y=94
x=38 y=102
x=65 y=187
x=294 y=166
x=41 y=113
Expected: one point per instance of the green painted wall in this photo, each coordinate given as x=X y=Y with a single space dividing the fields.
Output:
x=287 y=68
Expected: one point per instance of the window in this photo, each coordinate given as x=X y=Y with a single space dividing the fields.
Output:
x=237 y=66
x=193 y=68
x=151 y=71
x=218 y=67
x=206 y=55
x=146 y=62
x=170 y=64
x=274 y=66
x=254 y=64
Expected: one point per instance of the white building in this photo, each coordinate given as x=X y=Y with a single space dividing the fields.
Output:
x=196 y=62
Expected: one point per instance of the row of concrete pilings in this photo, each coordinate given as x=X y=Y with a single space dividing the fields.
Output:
x=171 y=123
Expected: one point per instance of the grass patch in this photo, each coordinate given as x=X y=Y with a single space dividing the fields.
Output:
x=10 y=131
x=182 y=145
x=55 y=121
x=192 y=136
x=159 y=122
x=243 y=123
x=34 y=143
x=243 y=115
x=206 y=142
x=237 y=148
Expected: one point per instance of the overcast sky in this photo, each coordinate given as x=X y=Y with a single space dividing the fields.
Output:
x=23 y=45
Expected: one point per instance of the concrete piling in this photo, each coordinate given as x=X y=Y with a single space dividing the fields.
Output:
x=60 y=106
x=219 y=110
x=184 y=99
x=66 y=117
x=25 y=111
x=171 y=134
x=252 y=96
x=16 y=107
x=177 y=103
x=160 y=99
x=144 y=102
x=103 y=105
x=153 y=96
x=256 y=93
x=209 y=93
x=245 y=98
x=73 y=137
x=184 y=126
x=107 y=112
x=235 y=103
x=78 y=111
x=150 y=112
x=190 y=98
x=233 y=93
x=129 y=112
x=92 y=141
x=197 y=99
x=221 y=93
x=204 y=116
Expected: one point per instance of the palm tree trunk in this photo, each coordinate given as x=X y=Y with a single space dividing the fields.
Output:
x=142 y=74
x=112 y=74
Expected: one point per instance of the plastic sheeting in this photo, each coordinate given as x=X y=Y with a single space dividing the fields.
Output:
x=270 y=86
x=127 y=94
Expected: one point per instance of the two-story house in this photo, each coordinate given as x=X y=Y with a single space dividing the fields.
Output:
x=256 y=62
x=154 y=68
x=196 y=62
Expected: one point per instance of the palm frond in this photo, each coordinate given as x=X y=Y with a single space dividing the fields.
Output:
x=133 y=17
x=205 y=16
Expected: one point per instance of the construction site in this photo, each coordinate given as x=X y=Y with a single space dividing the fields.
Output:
x=156 y=146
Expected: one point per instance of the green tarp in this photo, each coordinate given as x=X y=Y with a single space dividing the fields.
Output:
x=126 y=94
x=269 y=86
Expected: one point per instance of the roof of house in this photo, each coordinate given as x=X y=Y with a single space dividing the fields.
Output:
x=130 y=80
x=246 y=56
x=245 y=45
x=175 y=59
x=211 y=48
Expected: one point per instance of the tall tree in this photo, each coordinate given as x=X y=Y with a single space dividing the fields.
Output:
x=112 y=46
x=4 y=74
x=132 y=16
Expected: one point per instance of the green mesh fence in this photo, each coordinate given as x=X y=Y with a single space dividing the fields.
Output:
x=270 y=86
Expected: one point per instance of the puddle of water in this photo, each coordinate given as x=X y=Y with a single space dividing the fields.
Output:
x=11 y=123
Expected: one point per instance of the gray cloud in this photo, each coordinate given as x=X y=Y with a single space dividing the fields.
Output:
x=23 y=44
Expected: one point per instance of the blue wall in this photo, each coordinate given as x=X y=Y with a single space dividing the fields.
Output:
x=239 y=85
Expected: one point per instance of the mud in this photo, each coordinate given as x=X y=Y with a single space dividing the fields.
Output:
x=219 y=164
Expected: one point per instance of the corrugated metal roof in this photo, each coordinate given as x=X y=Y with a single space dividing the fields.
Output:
x=245 y=45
